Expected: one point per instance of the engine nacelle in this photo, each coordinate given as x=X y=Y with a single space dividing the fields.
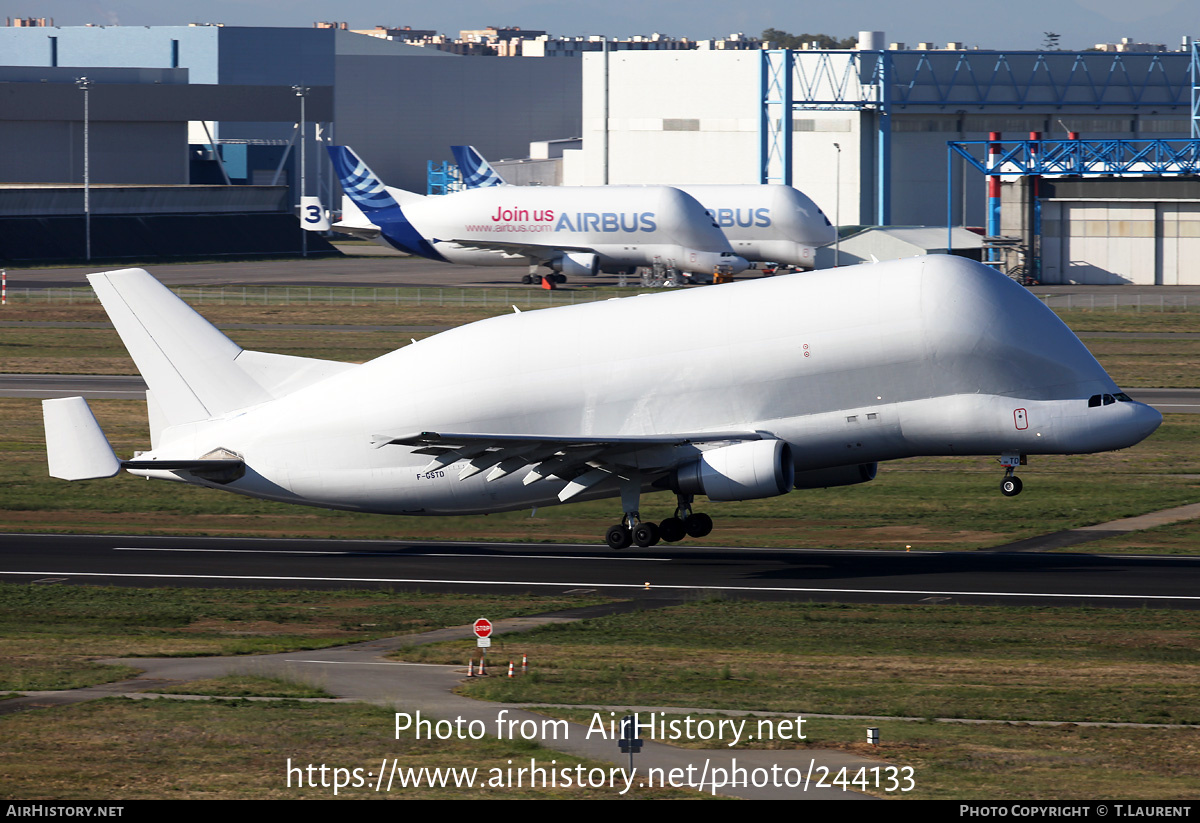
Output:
x=836 y=476
x=744 y=471
x=576 y=264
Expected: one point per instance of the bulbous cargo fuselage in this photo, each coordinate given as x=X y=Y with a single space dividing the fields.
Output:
x=767 y=223
x=926 y=356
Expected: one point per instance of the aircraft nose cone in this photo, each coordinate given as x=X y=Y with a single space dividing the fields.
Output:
x=1145 y=420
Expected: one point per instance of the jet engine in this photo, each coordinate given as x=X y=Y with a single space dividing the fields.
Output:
x=745 y=471
x=575 y=264
x=836 y=476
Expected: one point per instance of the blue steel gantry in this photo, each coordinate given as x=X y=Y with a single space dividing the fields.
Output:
x=886 y=82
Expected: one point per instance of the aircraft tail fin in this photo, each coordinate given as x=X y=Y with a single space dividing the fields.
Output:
x=379 y=205
x=186 y=362
x=476 y=172
x=360 y=183
x=76 y=448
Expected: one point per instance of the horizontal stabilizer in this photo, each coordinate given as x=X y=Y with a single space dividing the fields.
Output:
x=76 y=448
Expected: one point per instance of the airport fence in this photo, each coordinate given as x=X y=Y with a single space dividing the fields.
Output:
x=300 y=295
x=533 y=298
x=1115 y=301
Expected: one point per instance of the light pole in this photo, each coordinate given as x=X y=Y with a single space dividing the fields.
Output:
x=85 y=86
x=837 y=209
x=302 y=92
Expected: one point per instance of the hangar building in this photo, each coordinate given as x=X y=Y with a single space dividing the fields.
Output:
x=397 y=105
x=865 y=133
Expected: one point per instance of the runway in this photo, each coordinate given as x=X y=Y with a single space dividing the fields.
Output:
x=661 y=573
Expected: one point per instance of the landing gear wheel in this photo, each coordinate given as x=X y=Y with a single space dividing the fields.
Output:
x=527 y=280
x=671 y=530
x=618 y=537
x=1010 y=486
x=559 y=278
x=645 y=535
x=698 y=525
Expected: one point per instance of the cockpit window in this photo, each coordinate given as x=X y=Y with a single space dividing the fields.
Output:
x=1107 y=399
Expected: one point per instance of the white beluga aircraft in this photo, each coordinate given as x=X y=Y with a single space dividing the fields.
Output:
x=748 y=390
x=763 y=222
x=574 y=231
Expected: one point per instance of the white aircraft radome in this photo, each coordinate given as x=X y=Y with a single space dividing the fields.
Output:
x=574 y=231
x=763 y=222
x=741 y=391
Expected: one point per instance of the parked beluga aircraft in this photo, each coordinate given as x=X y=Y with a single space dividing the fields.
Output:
x=743 y=391
x=573 y=231
x=762 y=222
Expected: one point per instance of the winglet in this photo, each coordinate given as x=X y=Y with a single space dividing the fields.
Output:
x=476 y=172
x=76 y=448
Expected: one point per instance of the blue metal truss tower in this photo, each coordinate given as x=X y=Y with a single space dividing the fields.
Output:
x=888 y=82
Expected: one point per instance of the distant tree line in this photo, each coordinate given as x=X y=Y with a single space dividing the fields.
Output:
x=787 y=40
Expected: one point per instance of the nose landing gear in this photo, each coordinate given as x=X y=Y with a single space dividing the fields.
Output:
x=1011 y=485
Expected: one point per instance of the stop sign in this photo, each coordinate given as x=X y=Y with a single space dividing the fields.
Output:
x=483 y=627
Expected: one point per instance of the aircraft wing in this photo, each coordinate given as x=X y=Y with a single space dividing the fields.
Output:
x=361 y=232
x=583 y=461
x=536 y=251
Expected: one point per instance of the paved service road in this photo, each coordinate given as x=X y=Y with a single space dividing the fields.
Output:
x=385 y=270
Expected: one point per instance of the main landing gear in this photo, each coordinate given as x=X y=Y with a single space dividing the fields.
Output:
x=1011 y=485
x=536 y=279
x=684 y=523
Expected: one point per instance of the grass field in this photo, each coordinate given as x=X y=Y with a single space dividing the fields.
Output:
x=50 y=634
x=1002 y=762
x=920 y=661
x=122 y=750
x=925 y=661
x=1018 y=664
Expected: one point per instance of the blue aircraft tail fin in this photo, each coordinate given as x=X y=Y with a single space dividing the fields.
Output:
x=379 y=205
x=476 y=172
x=359 y=182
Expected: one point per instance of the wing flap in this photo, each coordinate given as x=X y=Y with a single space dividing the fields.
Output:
x=583 y=461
